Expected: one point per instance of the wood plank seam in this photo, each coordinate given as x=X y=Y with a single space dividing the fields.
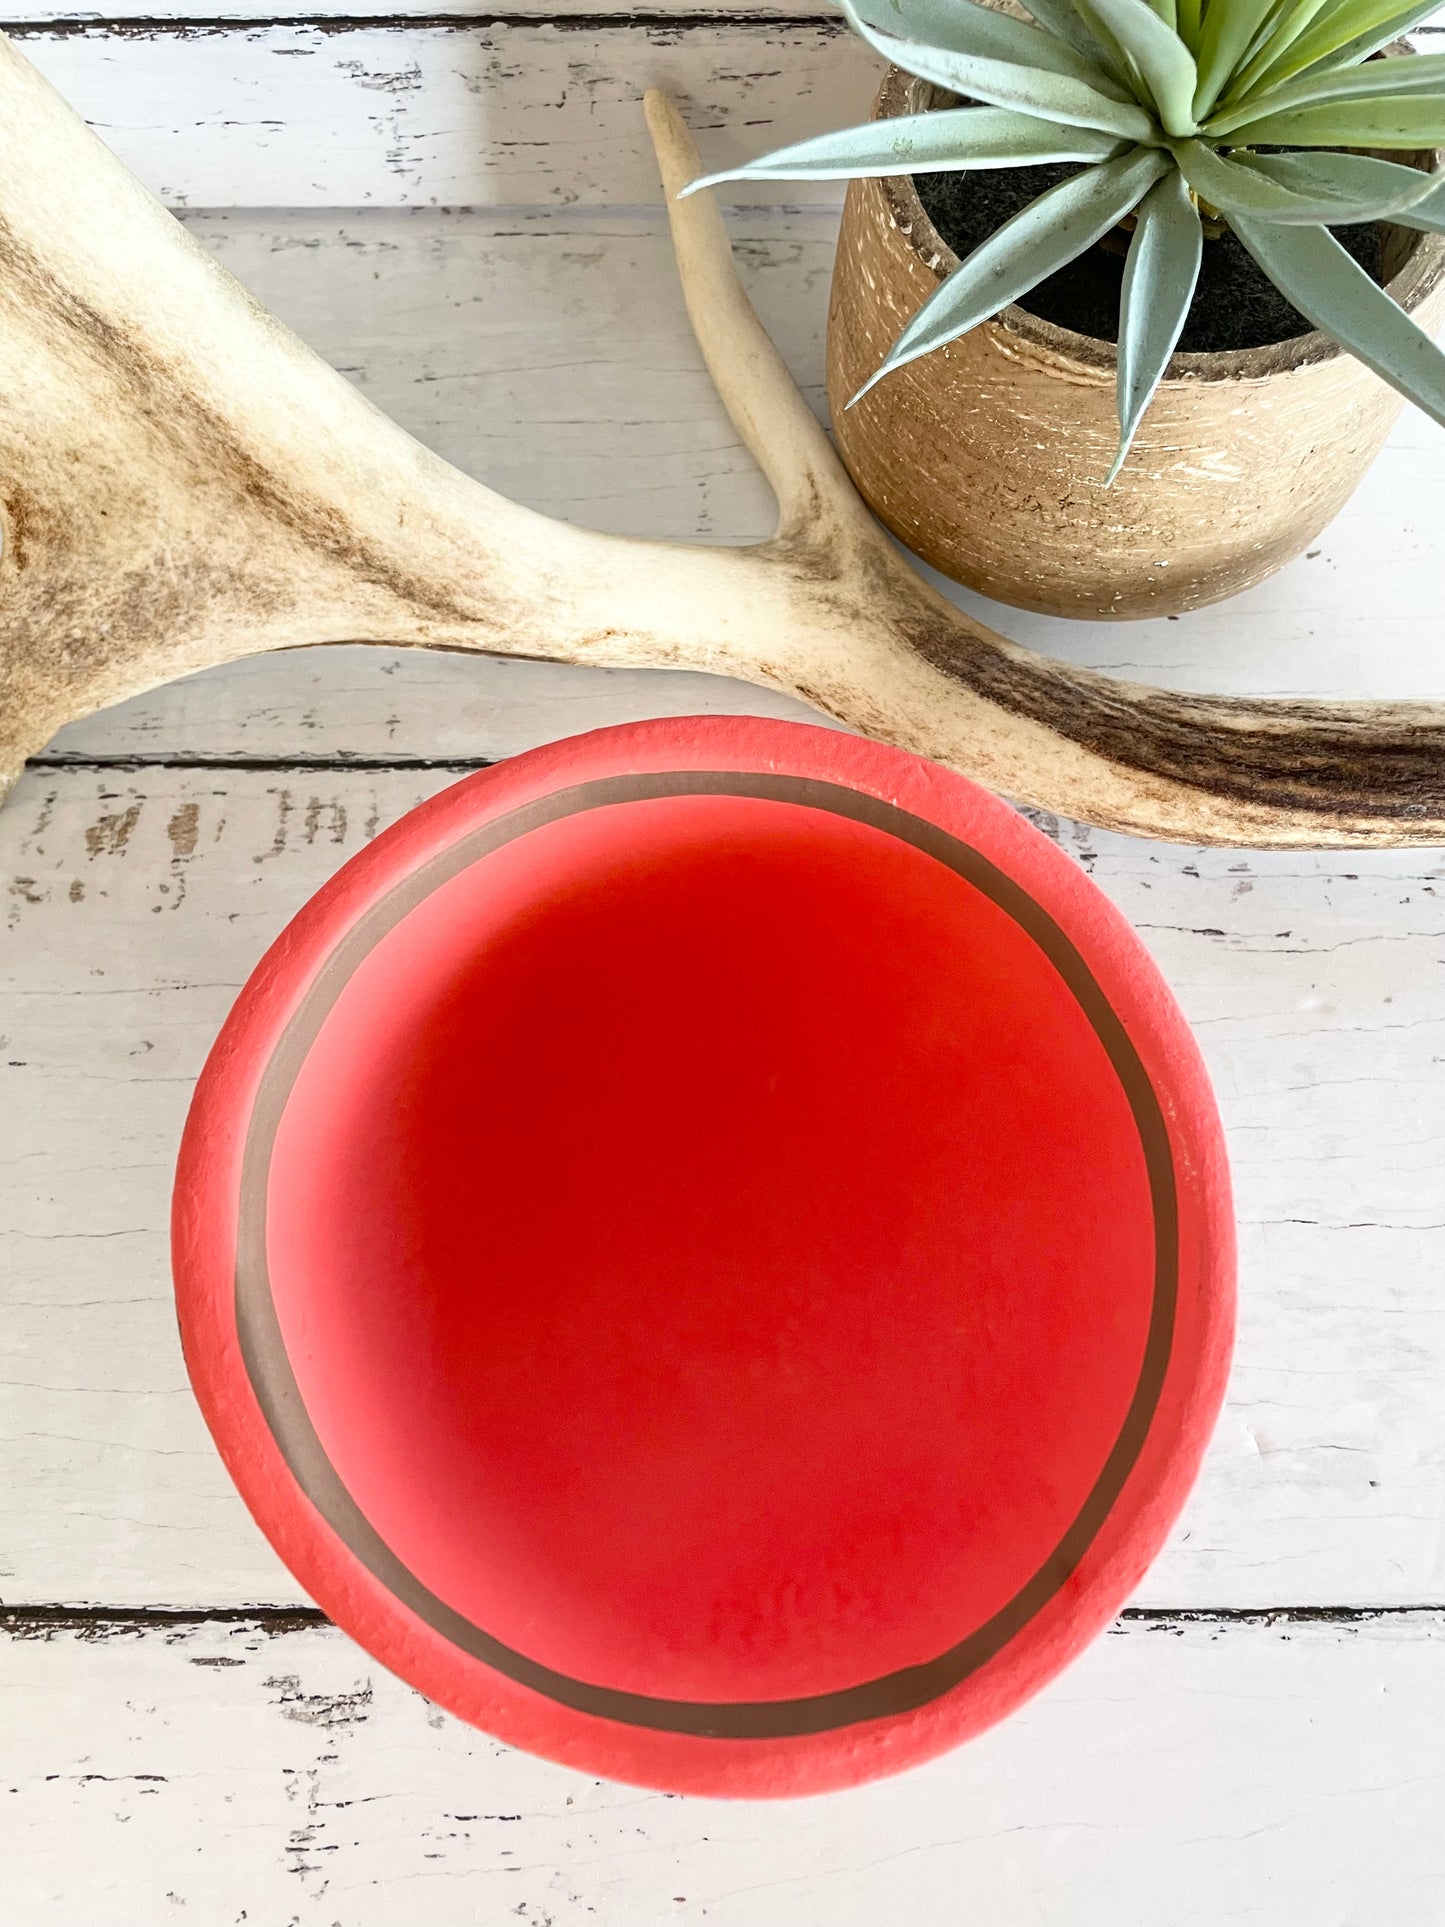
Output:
x=159 y=26
x=156 y=26
x=33 y=1621
x=273 y=765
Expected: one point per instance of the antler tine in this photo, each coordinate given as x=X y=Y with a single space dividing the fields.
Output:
x=763 y=403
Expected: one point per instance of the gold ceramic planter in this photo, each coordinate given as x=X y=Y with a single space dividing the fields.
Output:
x=988 y=457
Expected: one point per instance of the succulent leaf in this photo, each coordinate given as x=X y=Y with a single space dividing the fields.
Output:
x=963 y=27
x=1281 y=31
x=1347 y=34
x=1122 y=87
x=1160 y=275
x=1164 y=62
x=1301 y=189
x=1422 y=74
x=1061 y=18
x=951 y=141
x=1229 y=28
x=1331 y=290
x=1045 y=236
x=1386 y=120
x=1428 y=214
x=1030 y=90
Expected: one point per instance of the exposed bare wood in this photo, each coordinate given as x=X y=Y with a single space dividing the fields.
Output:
x=187 y=484
x=502 y=110
x=143 y=16
x=249 y=1774
x=509 y=107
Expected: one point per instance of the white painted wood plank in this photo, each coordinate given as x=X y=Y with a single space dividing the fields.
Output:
x=549 y=355
x=455 y=115
x=136 y=904
x=242 y=11
x=14 y=11
x=1285 y=1776
x=226 y=12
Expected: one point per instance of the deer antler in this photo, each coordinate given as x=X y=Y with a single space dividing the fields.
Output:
x=184 y=484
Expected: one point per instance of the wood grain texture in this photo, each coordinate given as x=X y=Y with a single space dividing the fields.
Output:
x=139 y=15
x=1180 y=1773
x=136 y=904
x=136 y=16
x=131 y=17
x=506 y=114
x=502 y=111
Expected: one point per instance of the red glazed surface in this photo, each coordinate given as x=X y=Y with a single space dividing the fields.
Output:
x=707 y=1249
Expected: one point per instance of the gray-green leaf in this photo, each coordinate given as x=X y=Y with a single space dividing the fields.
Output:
x=1331 y=290
x=961 y=26
x=1049 y=96
x=1162 y=57
x=1229 y=28
x=1303 y=190
x=1395 y=120
x=1059 y=17
x=1427 y=214
x=955 y=139
x=1043 y=237
x=1424 y=74
x=1159 y=280
x=1281 y=32
x=1327 y=41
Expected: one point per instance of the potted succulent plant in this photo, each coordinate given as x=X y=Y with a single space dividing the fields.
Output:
x=1112 y=281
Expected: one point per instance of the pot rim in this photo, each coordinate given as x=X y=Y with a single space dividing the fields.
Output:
x=1418 y=276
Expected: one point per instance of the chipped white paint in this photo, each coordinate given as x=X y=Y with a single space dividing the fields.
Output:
x=247 y=10
x=516 y=115
x=521 y=114
x=1178 y=1776
x=241 y=11
x=136 y=903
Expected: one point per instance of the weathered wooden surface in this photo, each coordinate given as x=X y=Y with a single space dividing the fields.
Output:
x=1179 y=1775
x=139 y=15
x=426 y=115
x=1183 y=1774
x=398 y=113
x=136 y=904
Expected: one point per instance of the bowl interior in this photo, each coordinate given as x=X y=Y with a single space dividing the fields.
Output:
x=713 y=1247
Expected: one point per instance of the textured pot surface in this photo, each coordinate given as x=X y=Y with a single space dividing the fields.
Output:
x=988 y=457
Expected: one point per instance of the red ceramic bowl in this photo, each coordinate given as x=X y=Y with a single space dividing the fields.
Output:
x=707 y=1249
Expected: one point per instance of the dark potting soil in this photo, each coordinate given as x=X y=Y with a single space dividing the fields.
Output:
x=1235 y=305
